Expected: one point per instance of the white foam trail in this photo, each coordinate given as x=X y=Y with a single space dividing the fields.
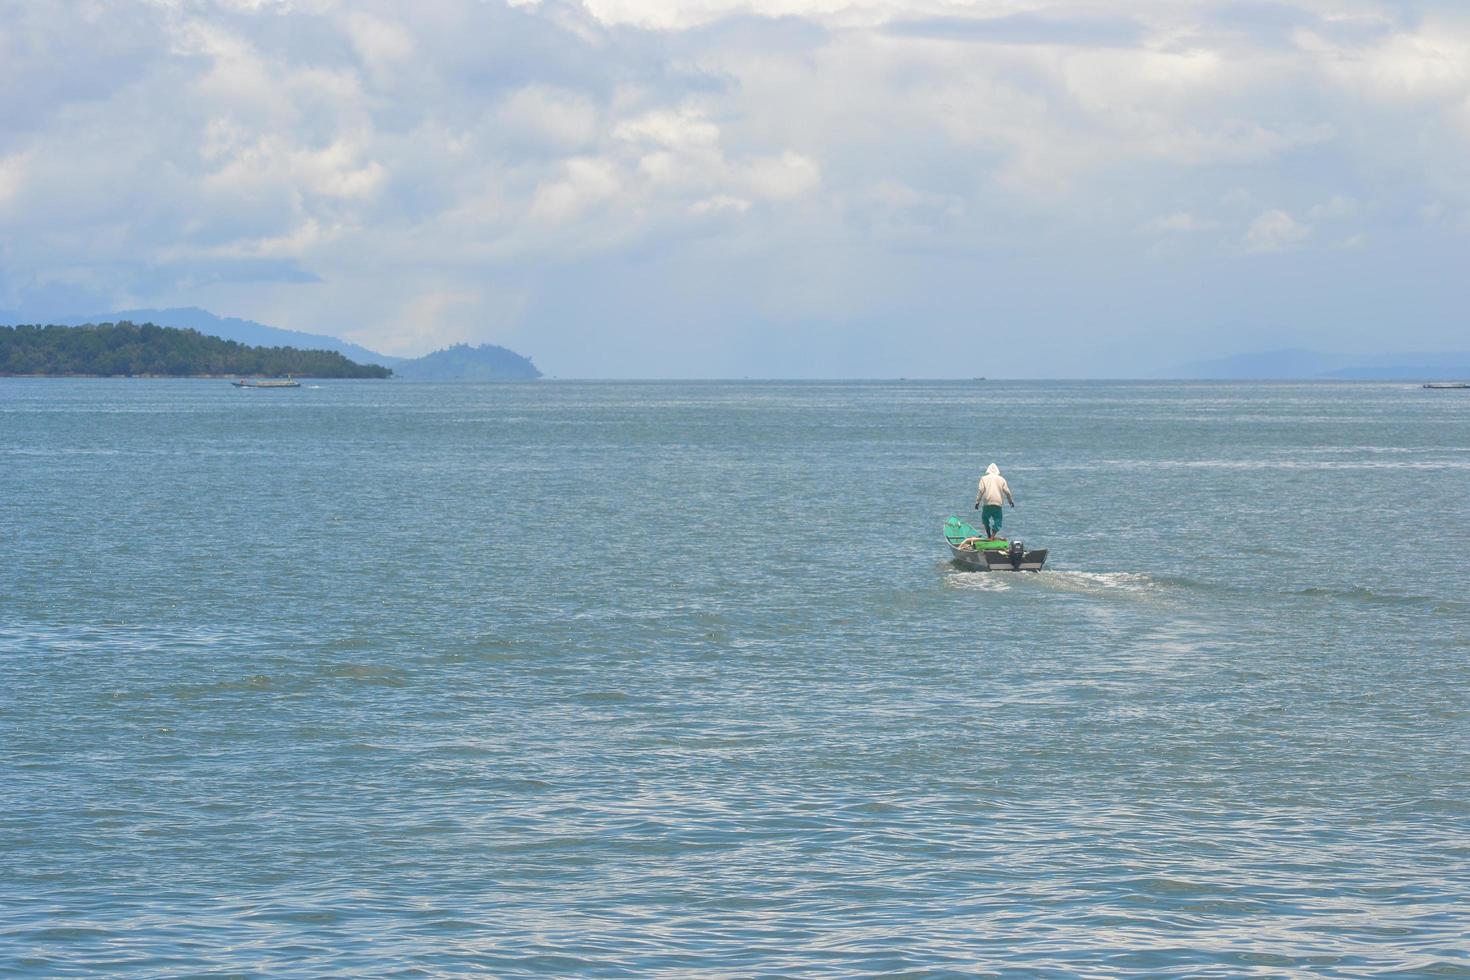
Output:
x=1082 y=583
x=1098 y=582
x=979 y=581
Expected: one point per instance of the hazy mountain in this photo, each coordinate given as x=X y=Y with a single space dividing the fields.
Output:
x=234 y=328
x=458 y=363
x=1297 y=364
x=462 y=362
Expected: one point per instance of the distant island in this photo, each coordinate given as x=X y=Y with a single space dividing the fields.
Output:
x=147 y=350
x=488 y=362
x=461 y=362
x=233 y=328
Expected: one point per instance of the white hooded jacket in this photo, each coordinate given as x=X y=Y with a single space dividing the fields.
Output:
x=993 y=488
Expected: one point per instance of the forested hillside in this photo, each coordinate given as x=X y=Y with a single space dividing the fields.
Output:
x=130 y=349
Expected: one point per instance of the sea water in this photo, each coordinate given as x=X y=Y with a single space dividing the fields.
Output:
x=660 y=679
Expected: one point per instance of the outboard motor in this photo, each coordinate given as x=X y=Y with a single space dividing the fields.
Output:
x=1015 y=553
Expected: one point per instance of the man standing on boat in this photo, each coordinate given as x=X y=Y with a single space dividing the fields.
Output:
x=993 y=489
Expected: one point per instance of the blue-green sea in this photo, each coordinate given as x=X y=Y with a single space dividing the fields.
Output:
x=676 y=679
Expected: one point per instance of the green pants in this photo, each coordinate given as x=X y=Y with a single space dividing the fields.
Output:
x=990 y=517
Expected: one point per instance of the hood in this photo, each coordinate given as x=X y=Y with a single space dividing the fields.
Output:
x=992 y=470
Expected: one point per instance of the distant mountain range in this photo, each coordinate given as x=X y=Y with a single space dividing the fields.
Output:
x=1298 y=364
x=458 y=363
x=490 y=362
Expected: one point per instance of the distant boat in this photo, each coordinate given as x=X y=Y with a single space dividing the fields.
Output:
x=1448 y=384
x=286 y=382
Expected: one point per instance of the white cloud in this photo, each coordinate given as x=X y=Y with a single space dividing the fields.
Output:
x=680 y=129
x=584 y=183
x=1429 y=63
x=1274 y=231
x=781 y=178
x=383 y=45
x=720 y=203
x=798 y=151
x=549 y=117
x=12 y=176
x=1334 y=209
x=1181 y=222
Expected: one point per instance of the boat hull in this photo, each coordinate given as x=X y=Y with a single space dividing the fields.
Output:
x=998 y=561
x=974 y=551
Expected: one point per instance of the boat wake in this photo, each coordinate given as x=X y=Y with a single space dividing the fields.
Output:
x=1093 y=583
x=1078 y=583
x=1123 y=586
x=980 y=581
x=1173 y=591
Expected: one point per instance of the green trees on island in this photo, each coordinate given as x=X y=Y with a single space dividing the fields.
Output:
x=130 y=349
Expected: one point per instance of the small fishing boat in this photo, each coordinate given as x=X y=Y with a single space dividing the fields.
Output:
x=1448 y=384
x=972 y=550
x=286 y=382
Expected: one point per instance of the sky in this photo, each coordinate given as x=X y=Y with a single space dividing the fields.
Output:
x=768 y=188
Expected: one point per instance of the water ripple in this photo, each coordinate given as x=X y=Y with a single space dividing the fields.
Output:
x=671 y=680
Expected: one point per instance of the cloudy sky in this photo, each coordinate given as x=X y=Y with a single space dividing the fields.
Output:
x=770 y=188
